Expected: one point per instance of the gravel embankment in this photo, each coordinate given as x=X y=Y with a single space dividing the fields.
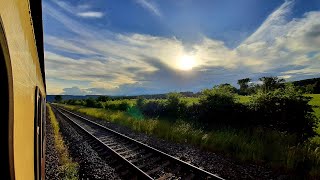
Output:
x=91 y=166
x=52 y=160
x=219 y=164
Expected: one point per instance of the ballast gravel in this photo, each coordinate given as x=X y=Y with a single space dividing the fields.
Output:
x=215 y=163
x=91 y=165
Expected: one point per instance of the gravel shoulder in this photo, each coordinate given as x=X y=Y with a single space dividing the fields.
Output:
x=219 y=164
x=91 y=166
x=52 y=160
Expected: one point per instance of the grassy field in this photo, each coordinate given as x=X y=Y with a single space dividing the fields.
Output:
x=189 y=100
x=67 y=167
x=272 y=148
x=315 y=102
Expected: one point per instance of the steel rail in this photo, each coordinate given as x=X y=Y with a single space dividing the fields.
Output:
x=192 y=168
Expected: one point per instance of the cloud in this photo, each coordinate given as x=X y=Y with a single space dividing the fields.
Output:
x=91 y=14
x=80 y=10
x=150 y=6
x=131 y=63
x=271 y=27
x=74 y=91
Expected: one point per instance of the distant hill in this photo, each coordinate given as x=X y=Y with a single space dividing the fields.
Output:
x=50 y=98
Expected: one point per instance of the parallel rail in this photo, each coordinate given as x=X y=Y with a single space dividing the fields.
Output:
x=145 y=161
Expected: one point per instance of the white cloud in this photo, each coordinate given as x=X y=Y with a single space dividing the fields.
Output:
x=114 y=63
x=91 y=14
x=81 y=10
x=272 y=26
x=150 y=6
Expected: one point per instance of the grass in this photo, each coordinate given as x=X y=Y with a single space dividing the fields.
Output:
x=67 y=167
x=131 y=102
x=272 y=148
x=315 y=102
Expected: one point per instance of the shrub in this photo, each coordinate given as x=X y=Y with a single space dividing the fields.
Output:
x=154 y=109
x=175 y=106
x=90 y=102
x=103 y=98
x=218 y=107
x=285 y=110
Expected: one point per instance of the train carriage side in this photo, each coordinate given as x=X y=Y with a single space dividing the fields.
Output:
x=22 y=79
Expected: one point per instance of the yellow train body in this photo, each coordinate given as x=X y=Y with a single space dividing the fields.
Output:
x=26 y=75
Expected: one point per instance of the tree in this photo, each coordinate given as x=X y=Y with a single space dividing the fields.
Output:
x=58 y=98
x=226 y=87
x=244 y=85
x=90 y=102
x=271 y=83
x=310 y=88
x=103 y=98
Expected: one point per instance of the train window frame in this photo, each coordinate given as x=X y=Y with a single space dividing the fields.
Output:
x=6 y=110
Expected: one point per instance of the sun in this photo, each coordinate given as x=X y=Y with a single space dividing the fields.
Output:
x=186 y=62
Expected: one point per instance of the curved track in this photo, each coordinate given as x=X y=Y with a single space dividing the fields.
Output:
x=144 y=162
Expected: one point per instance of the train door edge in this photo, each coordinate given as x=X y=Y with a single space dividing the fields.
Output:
x=39 y=135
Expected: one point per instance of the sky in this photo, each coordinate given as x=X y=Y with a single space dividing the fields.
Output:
x=133 y=47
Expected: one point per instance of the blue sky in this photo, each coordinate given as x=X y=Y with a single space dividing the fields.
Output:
x=140 y=46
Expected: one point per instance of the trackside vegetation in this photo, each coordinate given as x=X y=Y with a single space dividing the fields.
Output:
x=67 y=167
x=273 y=123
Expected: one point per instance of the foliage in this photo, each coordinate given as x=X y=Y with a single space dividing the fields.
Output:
x=308 y=85
x=244 y=85
x=175 y=106
x=122 y=105
x=284 y=109
x=154 y=108
x=67 y=167
x=103 y=98
x=140 y=102
x=58 y=98
x=218 y=107
x=90 y=102
x=271 y=83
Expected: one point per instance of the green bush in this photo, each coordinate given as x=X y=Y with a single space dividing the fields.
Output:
x=286 y=110
x=175 y=107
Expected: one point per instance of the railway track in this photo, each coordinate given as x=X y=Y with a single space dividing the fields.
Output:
x=144 y=162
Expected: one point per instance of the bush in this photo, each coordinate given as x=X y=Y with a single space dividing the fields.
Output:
x=103 y=98
x=175 y=107
x=218 y=107
x=286 y=110
x=122 y=106
x=140 y=102
x=154 y=109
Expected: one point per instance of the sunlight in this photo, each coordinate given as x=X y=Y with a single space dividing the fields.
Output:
x=186 y=62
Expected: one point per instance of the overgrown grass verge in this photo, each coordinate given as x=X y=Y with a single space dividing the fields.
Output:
x=67 y=167
x=275 y=149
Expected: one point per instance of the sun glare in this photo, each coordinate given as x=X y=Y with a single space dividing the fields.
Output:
x=186 y=62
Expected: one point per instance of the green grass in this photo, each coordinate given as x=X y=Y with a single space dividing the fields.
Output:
x=119 y=101
x=272 y=148
x=67 y=167
x=315 y=102
x=244 y=99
